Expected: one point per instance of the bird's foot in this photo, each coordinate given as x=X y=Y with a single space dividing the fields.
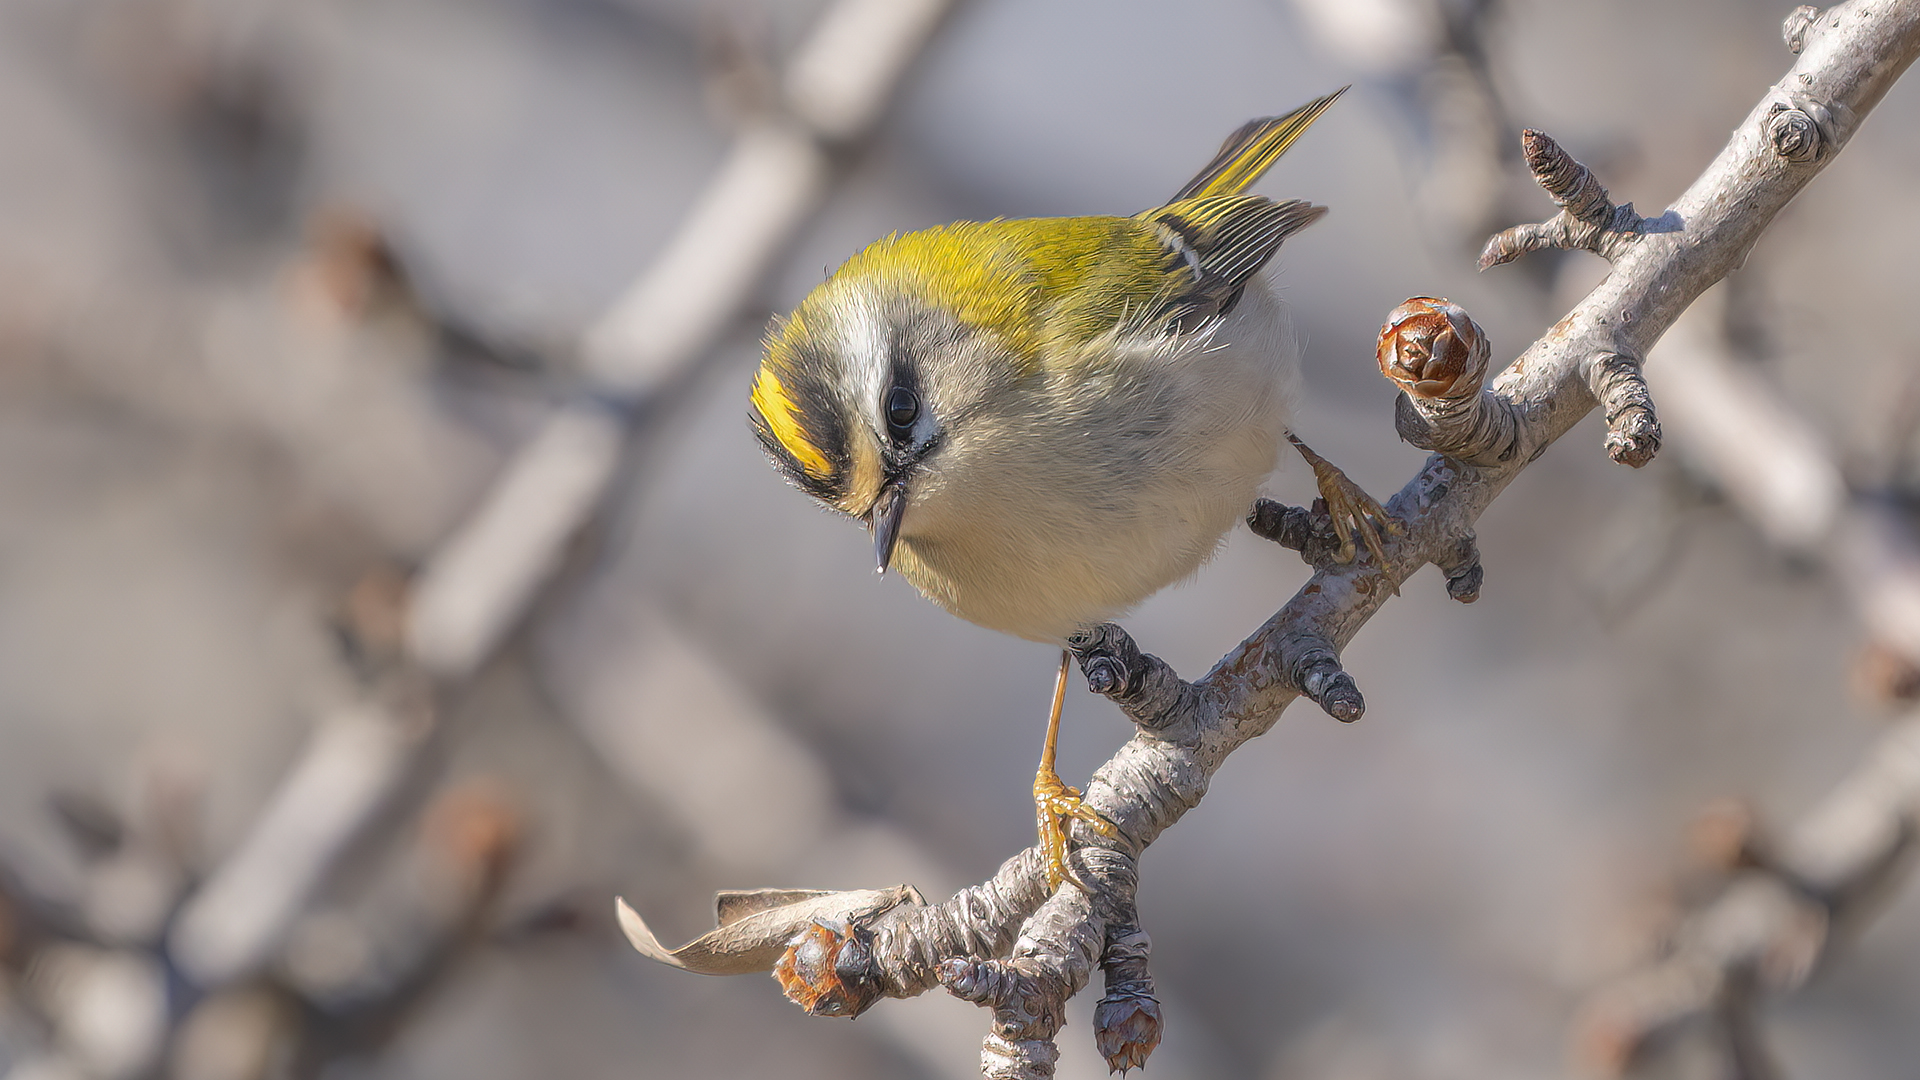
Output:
x=1350 y=508
x=1059 y=806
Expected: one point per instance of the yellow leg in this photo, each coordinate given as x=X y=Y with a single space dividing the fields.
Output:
x=1058 y=804
x=1352 y=509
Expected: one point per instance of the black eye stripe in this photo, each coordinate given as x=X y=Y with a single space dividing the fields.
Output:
x=901 y=406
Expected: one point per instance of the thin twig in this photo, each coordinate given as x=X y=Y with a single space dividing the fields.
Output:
x=1849 y=59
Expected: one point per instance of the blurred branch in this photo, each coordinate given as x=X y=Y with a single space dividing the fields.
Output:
x=475 y=588
x=255 y=948
x=1428 y=59
x=1009 y=946
x=1779 y=919
x=485 y=576
x=1779 y=472
x=351 y=767
x=1775 y=923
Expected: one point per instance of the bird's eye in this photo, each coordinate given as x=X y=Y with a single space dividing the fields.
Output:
x=903 y=408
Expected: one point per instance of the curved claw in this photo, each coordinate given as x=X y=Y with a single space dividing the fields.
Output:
x=1351 y=509
x=1059 y=806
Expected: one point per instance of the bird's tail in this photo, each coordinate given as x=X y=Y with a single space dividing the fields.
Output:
x=1249 y=152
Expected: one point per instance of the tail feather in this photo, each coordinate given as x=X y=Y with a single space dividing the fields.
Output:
x=1249 y=152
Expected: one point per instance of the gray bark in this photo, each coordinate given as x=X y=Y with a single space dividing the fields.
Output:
x=1009 y=946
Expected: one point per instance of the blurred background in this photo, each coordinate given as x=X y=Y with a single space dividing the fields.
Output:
x=287 y=286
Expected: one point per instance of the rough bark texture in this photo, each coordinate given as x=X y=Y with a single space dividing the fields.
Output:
x=1007 y=946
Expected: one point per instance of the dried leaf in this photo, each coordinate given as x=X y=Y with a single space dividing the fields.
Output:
x=754 y=925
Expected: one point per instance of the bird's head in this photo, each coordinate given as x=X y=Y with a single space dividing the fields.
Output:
x=865 y=387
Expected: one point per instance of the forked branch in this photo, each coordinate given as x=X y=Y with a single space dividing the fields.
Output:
x=1588 y=220
x=1008 y=945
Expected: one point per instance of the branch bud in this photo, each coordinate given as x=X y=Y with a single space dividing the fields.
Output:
x=1884 y=676
x=1431 y=348
x=1795 y=28
x=1633 y=429
x=1725 y=836
x=1460 y=562
x=1588 y=219
x=1571 y=184
x=1434 y=351
x=1126 y=1028
x=828 y=971
x=1794 y=135
x=1138 y=682
x=1126 y=1023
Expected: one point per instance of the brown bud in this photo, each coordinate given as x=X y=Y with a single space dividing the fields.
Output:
x=1886 y=677
x=1431 y=348
x=827 y=970
x=474 y=828
x=1572 y=185
x=1606 y=1039
x=375 y=613
x=348 y=268
x=1724 y=836
x=1126 y=1028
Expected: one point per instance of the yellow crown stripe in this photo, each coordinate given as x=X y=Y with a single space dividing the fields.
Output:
x=782 y=418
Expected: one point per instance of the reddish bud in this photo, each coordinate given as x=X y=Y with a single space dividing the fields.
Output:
x=827 y=970
x=1431 y=348
x=1886 y=677
x=1606 y=1041
x=1724 y=836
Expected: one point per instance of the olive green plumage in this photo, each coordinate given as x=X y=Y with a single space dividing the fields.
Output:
x=1047 y=283
x=1024 y=399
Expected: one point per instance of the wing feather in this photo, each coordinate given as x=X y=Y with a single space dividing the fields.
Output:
x=1224 y=241
x=1249 y=152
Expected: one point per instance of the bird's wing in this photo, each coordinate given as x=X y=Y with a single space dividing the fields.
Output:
x=1249 y=152
x=1221 y=242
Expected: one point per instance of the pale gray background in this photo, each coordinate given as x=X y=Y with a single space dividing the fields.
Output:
x=1428 y=893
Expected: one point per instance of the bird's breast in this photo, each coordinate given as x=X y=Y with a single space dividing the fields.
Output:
x=1077 y=501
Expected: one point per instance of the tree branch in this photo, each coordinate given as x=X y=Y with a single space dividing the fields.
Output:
x=1850 y=56
x=482 y=579
x=1773 y=925
x=1588 y=220
x=1782 y=915
x=1781 y=474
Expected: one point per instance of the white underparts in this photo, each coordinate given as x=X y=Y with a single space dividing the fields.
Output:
x=1072 y=505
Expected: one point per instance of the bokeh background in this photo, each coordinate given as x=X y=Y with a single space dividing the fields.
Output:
x=285 y=283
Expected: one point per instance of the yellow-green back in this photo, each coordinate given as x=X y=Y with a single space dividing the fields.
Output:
x=1035 y=283
x=1045 y=287
x=1045 y=282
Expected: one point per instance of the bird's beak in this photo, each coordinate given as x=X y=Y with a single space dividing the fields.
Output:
x=885 y=517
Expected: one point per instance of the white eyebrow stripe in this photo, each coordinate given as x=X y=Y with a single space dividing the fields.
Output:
x=867 y=339
x=868 y=359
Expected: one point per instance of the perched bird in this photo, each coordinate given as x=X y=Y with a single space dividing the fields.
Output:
x=1044 y=422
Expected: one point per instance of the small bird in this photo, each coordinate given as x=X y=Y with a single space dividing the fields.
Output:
x=1046 y=421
